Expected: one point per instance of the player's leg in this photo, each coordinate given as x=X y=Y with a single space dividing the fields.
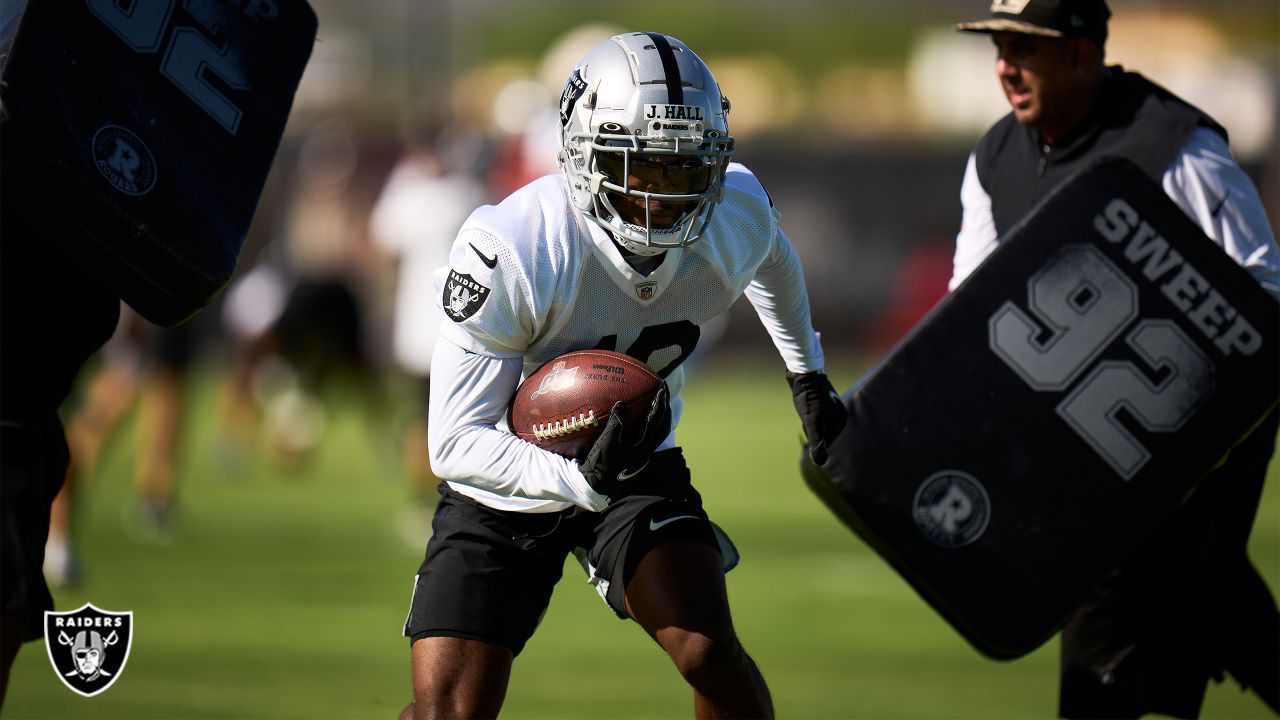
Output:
x=657 y=560
x=678 y=596
x=482 y=588
x=159 y=430
x=458 y=678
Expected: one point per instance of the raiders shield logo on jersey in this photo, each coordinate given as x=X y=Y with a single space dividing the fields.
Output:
x=463 y=296
x=88 y=647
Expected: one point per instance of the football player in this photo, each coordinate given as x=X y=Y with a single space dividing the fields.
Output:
x=649 y=233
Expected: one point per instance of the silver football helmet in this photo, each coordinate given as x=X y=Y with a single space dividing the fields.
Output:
x=645 y=141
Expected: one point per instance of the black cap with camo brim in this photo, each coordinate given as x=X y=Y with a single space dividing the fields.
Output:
x=1006 y=25
x=1047 y=18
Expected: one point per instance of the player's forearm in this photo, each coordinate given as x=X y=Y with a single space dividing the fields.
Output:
x=500 y=463
x=469 y=396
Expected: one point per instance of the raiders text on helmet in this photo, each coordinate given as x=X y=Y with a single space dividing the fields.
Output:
x=645 y=141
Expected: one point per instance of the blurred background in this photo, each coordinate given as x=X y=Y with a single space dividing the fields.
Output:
x=253 y=485
x=856 y=116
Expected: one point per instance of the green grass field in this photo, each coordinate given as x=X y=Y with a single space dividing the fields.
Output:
x=282 y=594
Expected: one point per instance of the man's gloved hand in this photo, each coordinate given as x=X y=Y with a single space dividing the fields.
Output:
x=621 y=452
x=821 y=410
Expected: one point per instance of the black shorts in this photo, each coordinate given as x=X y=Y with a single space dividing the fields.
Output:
x=488 y=574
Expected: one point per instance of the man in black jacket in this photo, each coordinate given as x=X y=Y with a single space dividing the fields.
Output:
x=1189 y=605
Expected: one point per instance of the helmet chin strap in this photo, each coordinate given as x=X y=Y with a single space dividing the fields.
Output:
x=628 y=252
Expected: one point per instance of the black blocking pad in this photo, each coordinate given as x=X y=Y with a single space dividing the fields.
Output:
x=139 y=135
x=1048 y=414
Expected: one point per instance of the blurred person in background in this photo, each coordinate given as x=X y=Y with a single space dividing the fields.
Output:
x=148 y=366
x=300 y=321
x=1188 y=605
x=430 y=192
x=648 y=233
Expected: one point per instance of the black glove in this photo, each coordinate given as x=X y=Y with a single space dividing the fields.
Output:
x=821 y=410
x=620 y=453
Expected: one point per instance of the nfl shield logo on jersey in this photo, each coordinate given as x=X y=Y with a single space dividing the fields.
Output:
x=645 y=290
x=88 y=647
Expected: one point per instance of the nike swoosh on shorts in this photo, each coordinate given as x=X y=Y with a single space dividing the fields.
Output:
x=658 y=525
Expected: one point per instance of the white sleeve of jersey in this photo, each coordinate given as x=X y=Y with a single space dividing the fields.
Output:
x=500 y=324
x=1210 y=187
x=469 y=397
x=977 y=237
x=781 y=299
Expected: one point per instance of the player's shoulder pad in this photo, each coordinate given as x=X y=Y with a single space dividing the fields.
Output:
x=506 y=263
x=746 y=197
x=743 y=184
x=523 y=228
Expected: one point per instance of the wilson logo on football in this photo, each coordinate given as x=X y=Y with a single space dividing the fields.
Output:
x=88 y=647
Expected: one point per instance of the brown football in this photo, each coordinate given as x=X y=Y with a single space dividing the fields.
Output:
x=563 y=406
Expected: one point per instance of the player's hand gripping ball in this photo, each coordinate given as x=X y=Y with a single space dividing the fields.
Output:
x=563 y=406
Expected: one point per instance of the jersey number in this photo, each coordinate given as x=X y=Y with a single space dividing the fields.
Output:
x=661 y=347
x=191 y=60
x=1079 y=302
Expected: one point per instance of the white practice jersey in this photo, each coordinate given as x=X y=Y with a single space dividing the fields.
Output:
x=530 y=279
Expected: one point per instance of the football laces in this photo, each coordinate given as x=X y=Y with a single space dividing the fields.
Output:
x=560 y=428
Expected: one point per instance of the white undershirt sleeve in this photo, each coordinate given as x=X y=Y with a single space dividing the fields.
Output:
x=469 y=397
x=1211 y=188
x=977 y=237
x=779 y=295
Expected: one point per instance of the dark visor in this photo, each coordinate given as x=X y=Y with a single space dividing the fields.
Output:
x=668 y=174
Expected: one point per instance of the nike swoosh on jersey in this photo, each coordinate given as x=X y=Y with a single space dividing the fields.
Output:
x=491 y=262
x=658 y=525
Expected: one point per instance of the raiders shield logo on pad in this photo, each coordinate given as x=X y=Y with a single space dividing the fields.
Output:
x=1045 y=417
x=138 y=135
x=88 y=647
